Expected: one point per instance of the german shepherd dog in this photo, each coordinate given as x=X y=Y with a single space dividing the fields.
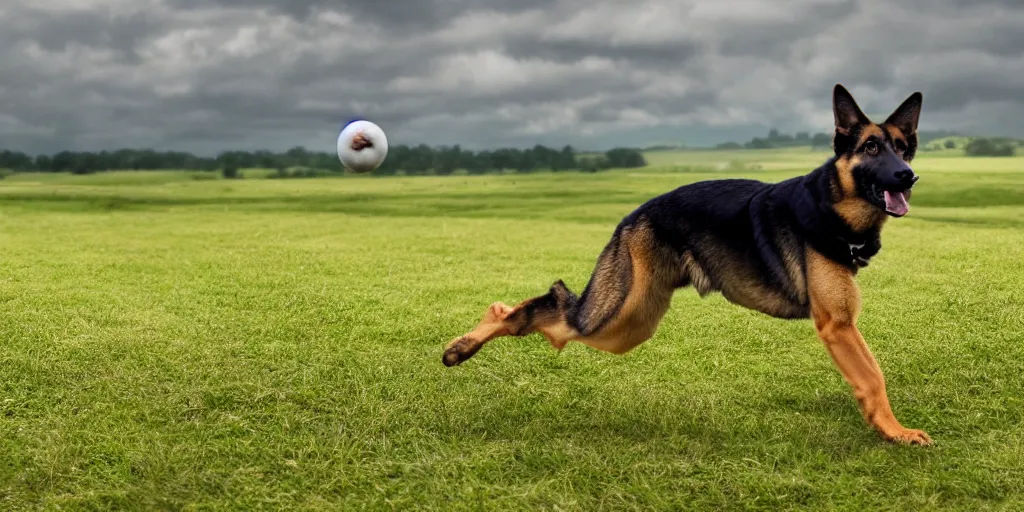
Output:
x=790 y=250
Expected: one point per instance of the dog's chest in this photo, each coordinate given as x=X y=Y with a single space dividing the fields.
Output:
x=862 y=253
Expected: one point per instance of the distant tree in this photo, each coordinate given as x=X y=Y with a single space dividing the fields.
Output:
x=779 y=139
x=759 y=143
x=821 y=140
x=542 y=157
x=419 y=160
x=44 y=163
x=15 y=160
x=83 y=163
x=396 y=158
x=480 y=163
x=523 y=161
x=267 y=160
x=503 y=159
x=625 y=158
x=446 y=160
x=63 y=161
x=467 y=159
x=729 y=145
x=989 y=147
x=564 y=160
x=594 y=163
x=229 y=163
x=950 y=144
x=297 y=156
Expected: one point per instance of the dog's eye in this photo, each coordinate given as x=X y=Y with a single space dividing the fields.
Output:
x=900 y=147
x=871 y=147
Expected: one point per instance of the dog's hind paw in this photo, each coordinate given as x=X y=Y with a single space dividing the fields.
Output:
x=460 y=350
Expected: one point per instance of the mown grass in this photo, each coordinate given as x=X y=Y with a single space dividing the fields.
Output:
x=275 y=344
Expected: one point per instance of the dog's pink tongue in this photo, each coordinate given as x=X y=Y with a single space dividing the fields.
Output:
x=896 y=203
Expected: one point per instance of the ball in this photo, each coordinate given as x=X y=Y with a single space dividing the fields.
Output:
x=362 y=146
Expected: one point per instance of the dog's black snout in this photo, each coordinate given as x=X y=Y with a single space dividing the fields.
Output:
x=907 y=177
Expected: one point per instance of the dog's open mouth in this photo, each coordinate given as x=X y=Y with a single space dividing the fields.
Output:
x=897 y=202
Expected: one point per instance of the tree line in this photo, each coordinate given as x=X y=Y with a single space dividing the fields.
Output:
x=991 y=147
x=421 y=159
x=777 y=139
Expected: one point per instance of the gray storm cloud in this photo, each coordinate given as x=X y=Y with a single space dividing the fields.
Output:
x=206 y=75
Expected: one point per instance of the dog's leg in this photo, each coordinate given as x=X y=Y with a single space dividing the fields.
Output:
x=629 y=292
x=835 y=304
x=546 y=314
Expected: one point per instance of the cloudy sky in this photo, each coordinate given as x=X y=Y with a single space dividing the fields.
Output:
x=207 y=75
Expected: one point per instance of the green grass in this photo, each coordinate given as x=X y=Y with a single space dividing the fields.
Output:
x=275 y=344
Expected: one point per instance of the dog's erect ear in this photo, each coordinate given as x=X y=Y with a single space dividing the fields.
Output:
x=906 y=115
x=846 y=111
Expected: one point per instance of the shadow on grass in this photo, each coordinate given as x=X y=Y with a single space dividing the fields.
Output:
x=827 y=424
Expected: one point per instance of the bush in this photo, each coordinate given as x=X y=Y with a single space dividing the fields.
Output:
x=821 y=140
x=625 y=158
x=950 y=144
x=594 y=163
x=759 y=143
x=989 y=147
x=230 y=172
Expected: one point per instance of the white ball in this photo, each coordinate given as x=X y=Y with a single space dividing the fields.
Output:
x=362 y=146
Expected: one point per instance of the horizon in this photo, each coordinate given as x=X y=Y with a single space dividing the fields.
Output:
x=926 y=136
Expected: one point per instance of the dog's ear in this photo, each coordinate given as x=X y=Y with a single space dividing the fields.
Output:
x=906 y=115
x=847 y=113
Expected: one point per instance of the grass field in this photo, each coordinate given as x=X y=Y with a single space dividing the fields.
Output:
x=170 y=344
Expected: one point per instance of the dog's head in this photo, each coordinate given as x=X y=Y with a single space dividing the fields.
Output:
x=873 y=160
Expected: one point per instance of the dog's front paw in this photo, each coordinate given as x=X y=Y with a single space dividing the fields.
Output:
x=910 y=436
